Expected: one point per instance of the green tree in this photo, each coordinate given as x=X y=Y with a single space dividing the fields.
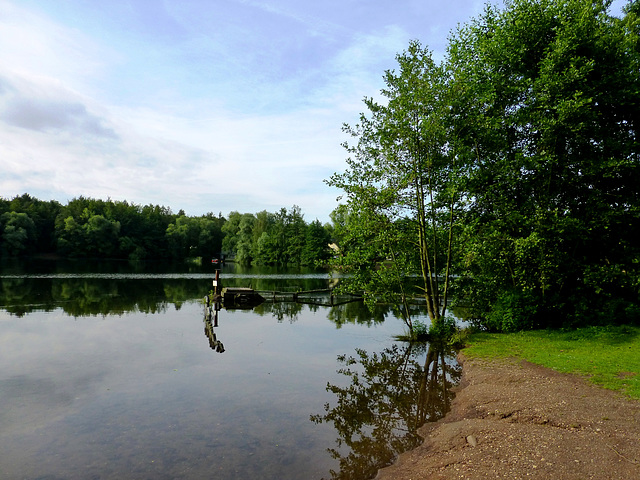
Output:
x=264 y=222
x=400 y=190
x=18 y=233
x=70 y=237
x=132 y=228
x=264 y=246
x=244 y=245
x=316 y=246
x=102 y=236
x=182 y=237
x=238 y=239
x=278 y=237
x=230 y=232
x=210 y=238
x=43 y=215
x=90 y=227
x=155 y=220
x=546 y=111
x=282 y=242
x=296 y=234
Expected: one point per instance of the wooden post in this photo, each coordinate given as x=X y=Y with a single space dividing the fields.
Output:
x=216 y=284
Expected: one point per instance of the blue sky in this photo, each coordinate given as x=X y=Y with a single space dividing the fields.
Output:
x=201 y=105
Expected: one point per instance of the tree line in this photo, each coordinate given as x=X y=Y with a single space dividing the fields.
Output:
x=506 y=173
x=88 y=227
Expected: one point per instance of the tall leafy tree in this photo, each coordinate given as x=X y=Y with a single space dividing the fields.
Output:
x=238 y=236
x=102 y=236
x=296 y=235
x=70 y=237
x=17 y=233
x=527 y=132
x=230 y=231
x=155 y=220
x=43 y=215
x=400 y=188
x=210 y=237
x=547 y=108
x=183 y=236
x=316 y=247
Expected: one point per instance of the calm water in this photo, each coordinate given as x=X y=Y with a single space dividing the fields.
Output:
x=108 y=371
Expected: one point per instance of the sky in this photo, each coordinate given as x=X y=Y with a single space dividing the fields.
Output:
x=197 y=105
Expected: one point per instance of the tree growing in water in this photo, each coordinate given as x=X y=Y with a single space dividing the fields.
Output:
x=400 y=190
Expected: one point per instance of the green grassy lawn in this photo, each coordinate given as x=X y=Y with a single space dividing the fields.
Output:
x=608 y=356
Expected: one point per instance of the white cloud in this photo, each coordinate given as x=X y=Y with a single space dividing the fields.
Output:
x=32 y=43
x=191 y=104
x=66 y=149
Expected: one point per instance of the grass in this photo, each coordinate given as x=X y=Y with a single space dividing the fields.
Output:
x=608 y=356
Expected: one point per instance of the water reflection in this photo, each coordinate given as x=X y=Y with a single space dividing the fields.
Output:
x=141 y=384
x=211 y=312
x=341 y=311
x=389 y=396
x=98 y=296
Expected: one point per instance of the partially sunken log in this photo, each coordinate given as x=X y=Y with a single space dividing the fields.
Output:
x=233 y=297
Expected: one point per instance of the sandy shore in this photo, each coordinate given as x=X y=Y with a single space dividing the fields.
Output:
x=515 y=420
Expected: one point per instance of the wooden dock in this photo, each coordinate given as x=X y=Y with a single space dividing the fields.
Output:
x=310 y=297
x=242 y=297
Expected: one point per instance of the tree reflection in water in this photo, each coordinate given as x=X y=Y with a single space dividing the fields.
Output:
x=390 y=395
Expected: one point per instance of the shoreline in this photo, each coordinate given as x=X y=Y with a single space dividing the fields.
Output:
x=513 y=419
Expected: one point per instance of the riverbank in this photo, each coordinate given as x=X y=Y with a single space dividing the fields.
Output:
x=512 y=419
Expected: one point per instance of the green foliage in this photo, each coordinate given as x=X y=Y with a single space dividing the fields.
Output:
x=420 y=330
x=101 y=236
x=547 y=95
x=18 y=231
x=443 y=331
x=316 y=247
x=511 y=312
x=400 y=190
x=283 y=238
x=88 y=227
x=42 y=214
x=194 y=237
x=514 y=161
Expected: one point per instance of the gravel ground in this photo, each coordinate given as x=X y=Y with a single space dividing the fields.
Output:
x=516 y=420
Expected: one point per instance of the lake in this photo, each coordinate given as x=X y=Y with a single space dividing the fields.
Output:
x=109 y=371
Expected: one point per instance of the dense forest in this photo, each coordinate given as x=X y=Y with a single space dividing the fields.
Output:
x=506 y=174
x=92 y=228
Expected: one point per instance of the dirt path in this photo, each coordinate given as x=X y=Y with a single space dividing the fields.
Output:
x=515 y=420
